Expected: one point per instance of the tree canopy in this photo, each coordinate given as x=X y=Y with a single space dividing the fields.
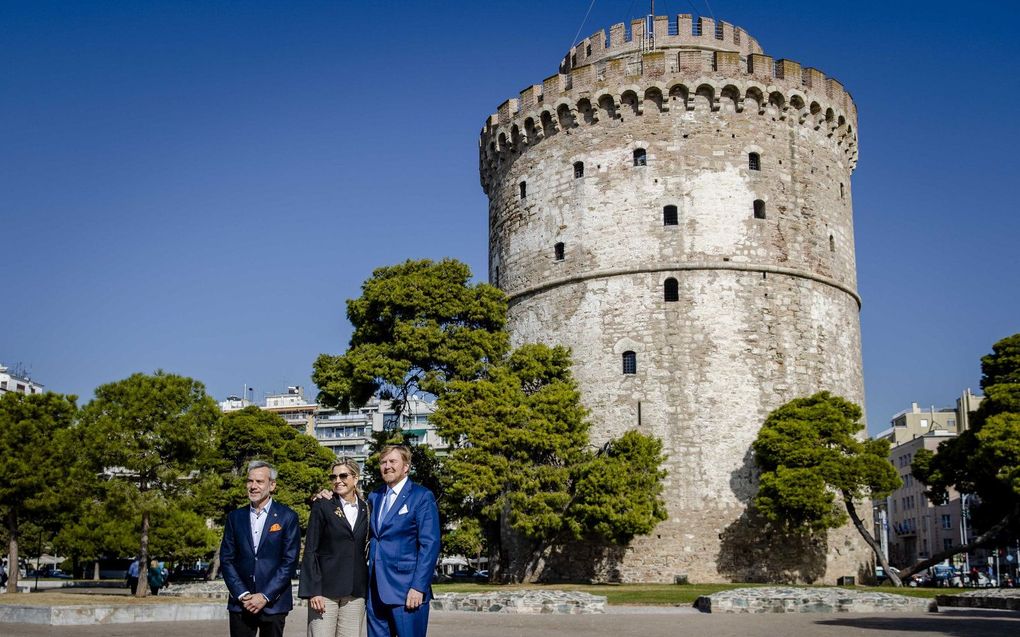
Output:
x=417 y=325
x=521 y=461
x=35 y=462
x=984 y=460
x=814 y=467
x=149 y=432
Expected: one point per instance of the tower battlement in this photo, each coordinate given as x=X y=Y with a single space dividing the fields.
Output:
x=668 y=32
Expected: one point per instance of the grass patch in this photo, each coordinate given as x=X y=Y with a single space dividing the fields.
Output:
x=658 y=594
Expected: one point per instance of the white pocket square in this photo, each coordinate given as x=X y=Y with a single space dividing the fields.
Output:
x=402 y=510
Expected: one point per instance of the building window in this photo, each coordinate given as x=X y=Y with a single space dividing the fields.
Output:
x=524 y=190
x=671 y=290
x=947 y=521
x=558 y=251
x=832 y=244
x=669 y=216
x=759 y=209
x=496 y=281
x=578 y=169
x=754 y=161
x=640 y=157
x=947 y=543
x=842 y=191
x=629 y=363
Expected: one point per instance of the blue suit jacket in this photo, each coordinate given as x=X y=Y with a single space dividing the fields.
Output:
x=268 y=570
x=404 y=547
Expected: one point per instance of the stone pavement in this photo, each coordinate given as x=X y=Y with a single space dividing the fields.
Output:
x=618 y=622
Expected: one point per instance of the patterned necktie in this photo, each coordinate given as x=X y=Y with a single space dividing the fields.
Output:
x=385 y=505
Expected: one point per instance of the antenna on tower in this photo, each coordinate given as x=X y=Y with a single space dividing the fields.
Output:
x=649 y=43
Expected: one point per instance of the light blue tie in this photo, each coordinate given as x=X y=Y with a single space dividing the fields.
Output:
x=385 y=505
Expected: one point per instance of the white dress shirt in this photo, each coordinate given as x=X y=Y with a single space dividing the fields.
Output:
x=258 y=522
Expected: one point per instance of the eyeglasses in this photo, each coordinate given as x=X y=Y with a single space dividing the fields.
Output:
x=339 y=476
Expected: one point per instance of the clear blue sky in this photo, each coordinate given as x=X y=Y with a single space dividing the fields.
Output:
x=198 y=185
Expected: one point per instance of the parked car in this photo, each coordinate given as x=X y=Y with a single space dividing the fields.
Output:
x=880 y=575
x=464 y=575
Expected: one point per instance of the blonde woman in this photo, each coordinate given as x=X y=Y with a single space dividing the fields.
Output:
x=334 y=572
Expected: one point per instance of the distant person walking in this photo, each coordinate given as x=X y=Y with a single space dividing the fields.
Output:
x=403 y=552
x=334 y=571
x=132 y=574
x=258 y=556
x=157 y=577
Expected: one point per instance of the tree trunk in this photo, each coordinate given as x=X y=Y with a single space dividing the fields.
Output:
x=143 y=569
x=214 y=568
x=12 y=552
x=95 y=571
x=859 y=525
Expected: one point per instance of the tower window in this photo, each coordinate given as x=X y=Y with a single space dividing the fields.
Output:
x=629 y=363
x=669 y=216
x=496 y=281
x=640 y=157
x=578 y=169
x=524 y=190
x=559 y=251
x=759 y=209
x=753 y=161
x=832 y=244
x=671 y=290
x=842 y=191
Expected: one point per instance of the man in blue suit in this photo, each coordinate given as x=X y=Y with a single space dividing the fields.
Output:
x=258 y=557
x=403 y=550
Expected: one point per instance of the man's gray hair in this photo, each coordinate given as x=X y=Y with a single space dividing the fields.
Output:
x=258 y=464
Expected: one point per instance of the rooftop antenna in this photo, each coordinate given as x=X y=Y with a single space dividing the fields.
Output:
x=649 y=44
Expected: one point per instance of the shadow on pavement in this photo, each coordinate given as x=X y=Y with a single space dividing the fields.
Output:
x=969 y=623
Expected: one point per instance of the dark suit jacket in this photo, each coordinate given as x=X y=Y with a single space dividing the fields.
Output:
x=405 y=546
x=335 y=564
x=267 y=571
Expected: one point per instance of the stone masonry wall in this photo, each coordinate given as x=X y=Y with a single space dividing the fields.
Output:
x=767 y=309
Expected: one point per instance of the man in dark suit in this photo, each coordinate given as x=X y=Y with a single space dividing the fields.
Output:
x=258 y=557
x=403 y=550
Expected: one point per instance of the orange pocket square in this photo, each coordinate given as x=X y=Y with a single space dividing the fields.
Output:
x=274 y=528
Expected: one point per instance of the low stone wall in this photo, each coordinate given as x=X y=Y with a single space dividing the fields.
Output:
x=809 y=600
x=90 y=614
x=996 y=598
x=522 y=602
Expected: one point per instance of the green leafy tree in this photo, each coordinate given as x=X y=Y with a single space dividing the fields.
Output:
x=149 y=432
x=256 y=434
x=417 y=325
x=33 y=445
x=814 y=468
x=102 y=525
x=519 y=431
x=522 y=462
x=983 y=461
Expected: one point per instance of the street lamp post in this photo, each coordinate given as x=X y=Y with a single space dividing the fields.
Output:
x=963 y=530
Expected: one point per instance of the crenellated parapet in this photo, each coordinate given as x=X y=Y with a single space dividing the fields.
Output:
x=663 y=32
x=721 y=68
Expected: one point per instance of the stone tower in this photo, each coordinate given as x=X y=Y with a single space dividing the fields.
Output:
x=674 y=205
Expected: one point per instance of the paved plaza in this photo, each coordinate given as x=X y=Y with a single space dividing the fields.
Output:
x=620 y=621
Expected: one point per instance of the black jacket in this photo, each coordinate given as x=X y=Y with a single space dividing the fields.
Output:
x=335 y=564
